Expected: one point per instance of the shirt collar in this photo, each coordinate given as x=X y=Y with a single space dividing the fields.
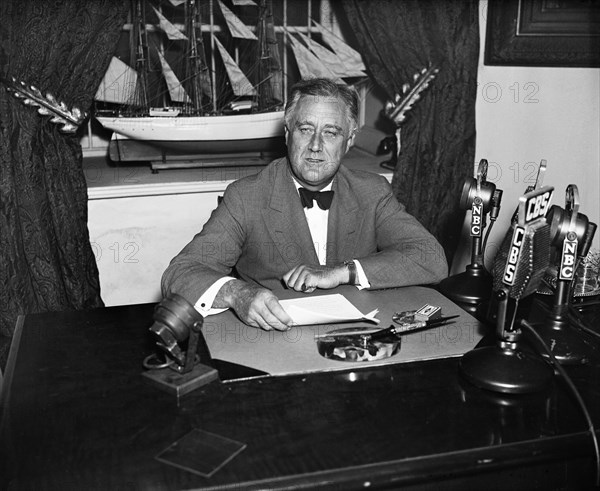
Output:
x=298 y=185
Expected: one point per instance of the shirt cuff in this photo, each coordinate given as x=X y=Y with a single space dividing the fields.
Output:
x=204 y=303
x=361 y=277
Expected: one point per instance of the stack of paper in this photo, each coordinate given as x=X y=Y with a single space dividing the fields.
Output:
x=324 y=309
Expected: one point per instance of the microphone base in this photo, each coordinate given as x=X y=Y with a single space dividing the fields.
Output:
x=563 y=340
x=500 y=368
x=179 y=384
x=472 y=286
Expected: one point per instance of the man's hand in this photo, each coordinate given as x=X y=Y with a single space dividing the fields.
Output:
x=307 y=279
x=255 y=305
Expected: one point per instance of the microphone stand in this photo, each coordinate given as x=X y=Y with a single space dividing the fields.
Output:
x=474 y=285
x=177 y=330
x=505 y=367
x=557 y=330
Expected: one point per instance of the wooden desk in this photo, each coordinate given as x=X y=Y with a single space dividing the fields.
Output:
x=77 y=415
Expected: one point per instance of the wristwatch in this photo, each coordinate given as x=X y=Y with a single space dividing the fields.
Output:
x=353 y=273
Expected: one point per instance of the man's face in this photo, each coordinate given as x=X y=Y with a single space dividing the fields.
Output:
x=317 y=138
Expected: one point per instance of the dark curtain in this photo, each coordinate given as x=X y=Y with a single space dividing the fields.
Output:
x=397 y=39
x=63 y=48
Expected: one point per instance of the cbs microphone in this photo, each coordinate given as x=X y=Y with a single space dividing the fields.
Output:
x=537 y=184
x=518 y=269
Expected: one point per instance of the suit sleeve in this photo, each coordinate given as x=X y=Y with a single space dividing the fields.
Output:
x=407 y=254
x=211 y=254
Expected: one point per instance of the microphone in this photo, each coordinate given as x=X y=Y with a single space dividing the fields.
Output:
x=518 y=269
x=571 y=236
x=480 y=197
x=537 y=184
x=178 y=324
x=539 y=181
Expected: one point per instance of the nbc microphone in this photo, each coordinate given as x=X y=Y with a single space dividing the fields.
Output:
x=518 y=269
x=571 y=235
x=474 y=285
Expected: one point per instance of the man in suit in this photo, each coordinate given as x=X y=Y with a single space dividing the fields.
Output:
x=353 y=232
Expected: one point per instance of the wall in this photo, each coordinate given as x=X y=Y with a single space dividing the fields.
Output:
x=526 y=114
x=134 y=238
x=374 y=126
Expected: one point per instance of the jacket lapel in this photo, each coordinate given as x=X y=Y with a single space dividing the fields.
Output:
x=285 y=220
x=345 y=220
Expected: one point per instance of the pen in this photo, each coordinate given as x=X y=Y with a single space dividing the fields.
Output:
x=393 y=330
x=400 y=329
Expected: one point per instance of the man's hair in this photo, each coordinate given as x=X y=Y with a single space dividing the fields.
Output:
x=324 y=87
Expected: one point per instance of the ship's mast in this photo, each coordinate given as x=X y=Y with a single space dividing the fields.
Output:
x=270 y=78
x=197 y=76
x=141 y=55
x=212 y=57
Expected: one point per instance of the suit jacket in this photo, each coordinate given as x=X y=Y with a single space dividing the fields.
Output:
x=260 y=230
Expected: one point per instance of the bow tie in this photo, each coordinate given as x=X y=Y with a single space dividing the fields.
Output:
x=323 y=198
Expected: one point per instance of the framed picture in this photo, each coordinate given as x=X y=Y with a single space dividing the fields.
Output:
x=543 y=33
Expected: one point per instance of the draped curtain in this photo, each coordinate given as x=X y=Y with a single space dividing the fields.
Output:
x=46 y=261
x=397 y=39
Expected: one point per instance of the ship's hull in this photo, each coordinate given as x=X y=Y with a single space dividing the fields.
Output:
x=233 y=127
x=194 y=135
x=204 y=153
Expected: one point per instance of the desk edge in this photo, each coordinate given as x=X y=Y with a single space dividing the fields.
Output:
x=460 y=463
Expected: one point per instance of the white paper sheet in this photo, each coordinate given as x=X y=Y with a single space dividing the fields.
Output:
x=324 y=309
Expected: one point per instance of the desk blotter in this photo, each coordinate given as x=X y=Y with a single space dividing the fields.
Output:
x=295 y=351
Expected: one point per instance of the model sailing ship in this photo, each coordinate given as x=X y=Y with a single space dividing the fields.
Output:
x=213 y=102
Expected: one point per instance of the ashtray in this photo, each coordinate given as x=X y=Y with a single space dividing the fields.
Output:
x=356 y=347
